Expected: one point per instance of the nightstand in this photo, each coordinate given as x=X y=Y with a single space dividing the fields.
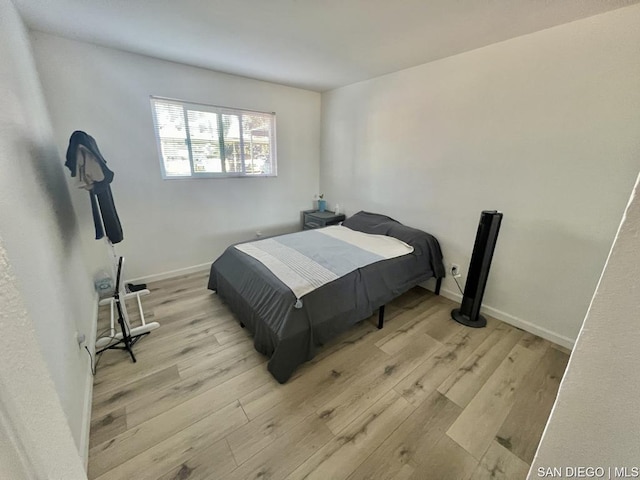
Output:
x=314 y=219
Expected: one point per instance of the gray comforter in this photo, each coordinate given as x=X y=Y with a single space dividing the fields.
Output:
x=290 y=335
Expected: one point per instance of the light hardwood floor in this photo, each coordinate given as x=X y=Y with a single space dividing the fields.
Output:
x=423 y=398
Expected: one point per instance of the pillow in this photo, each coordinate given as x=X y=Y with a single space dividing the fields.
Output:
x=367 y=222
x=422 y=242
x=412 y=236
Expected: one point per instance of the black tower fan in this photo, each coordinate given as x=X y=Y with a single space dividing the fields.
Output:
x=469 y=312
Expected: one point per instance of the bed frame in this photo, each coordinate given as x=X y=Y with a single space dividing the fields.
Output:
x=381 y=309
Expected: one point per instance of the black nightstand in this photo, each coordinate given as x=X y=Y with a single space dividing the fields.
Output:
x=314 y=219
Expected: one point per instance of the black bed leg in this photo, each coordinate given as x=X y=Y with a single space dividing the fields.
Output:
x=438 y=285
x=381 y=317
x=241 y=325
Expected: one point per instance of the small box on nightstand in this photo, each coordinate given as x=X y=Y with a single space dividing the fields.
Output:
x=314 y=219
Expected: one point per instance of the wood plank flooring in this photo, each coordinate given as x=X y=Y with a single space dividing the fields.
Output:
x=423 y=398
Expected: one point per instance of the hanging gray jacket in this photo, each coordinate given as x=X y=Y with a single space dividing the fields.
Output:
x=87 y=164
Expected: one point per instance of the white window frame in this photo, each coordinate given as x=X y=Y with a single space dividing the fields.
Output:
x=199 y=107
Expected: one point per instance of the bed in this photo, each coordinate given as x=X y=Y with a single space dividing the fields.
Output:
x=289 y=325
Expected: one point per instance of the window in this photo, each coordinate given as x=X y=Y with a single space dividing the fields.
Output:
x=208 y=141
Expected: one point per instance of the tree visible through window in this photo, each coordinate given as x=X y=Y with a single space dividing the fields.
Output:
x=207 y=141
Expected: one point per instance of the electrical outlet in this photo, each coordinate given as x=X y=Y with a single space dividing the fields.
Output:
x=455 y=270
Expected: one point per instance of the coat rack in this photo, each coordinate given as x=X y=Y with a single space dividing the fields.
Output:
x=128 y=336
x=87 y=164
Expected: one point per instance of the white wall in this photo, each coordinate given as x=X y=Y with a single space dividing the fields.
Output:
x=595 y=420
x=543 y=127
x=36 y=441
x=45 y=292
x=173 y=224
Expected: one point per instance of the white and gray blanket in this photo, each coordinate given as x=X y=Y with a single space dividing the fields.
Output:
x=305 y=261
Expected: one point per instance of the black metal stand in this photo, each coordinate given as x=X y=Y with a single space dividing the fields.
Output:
x=127 y=341
x=381 y=309
x=380 y=317
x=438 y=285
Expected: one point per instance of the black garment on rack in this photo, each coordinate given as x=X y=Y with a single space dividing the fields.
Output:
x=99 y=191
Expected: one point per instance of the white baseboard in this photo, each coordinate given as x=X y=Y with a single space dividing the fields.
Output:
x=451 y=295
x=88 y=394
x=170 y=274
x=515 y=321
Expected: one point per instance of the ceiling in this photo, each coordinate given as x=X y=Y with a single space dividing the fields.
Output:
x=313 y=44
